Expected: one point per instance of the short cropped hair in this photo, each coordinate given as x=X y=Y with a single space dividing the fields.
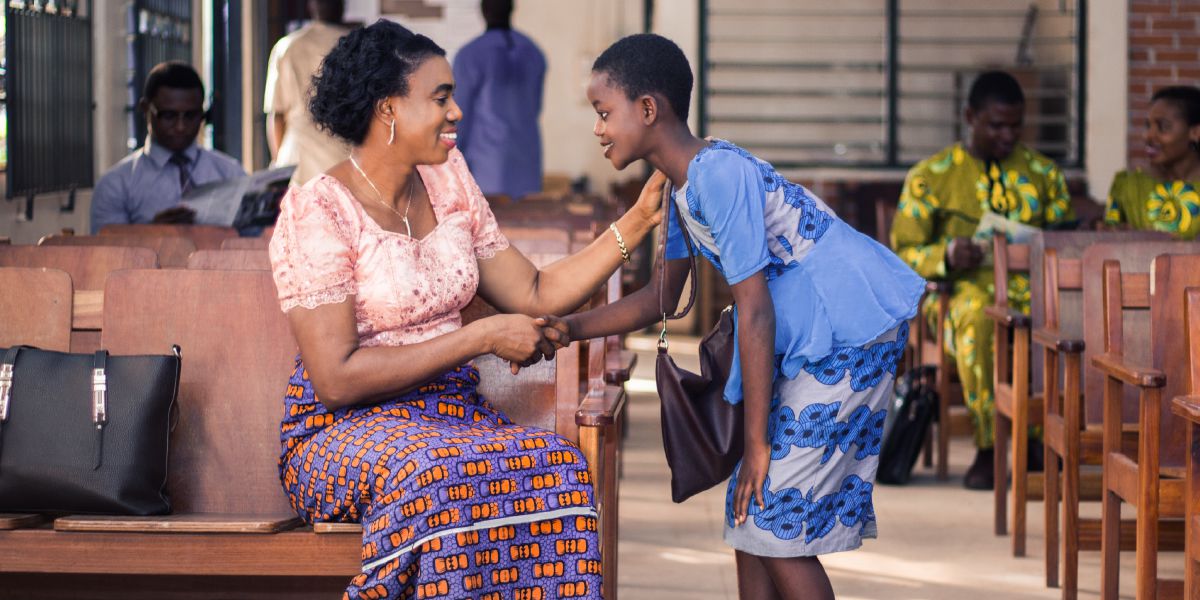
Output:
x=994 y=86
x=366 y=66
x=646 y=63
x=1185 y=97
x=171 y=74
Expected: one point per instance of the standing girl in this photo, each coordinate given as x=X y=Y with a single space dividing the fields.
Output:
x=821 y=319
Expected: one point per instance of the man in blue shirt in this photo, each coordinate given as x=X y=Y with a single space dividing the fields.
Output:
x=146 y=186
x=498 y=84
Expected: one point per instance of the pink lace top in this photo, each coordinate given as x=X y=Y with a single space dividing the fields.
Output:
x=326 y=248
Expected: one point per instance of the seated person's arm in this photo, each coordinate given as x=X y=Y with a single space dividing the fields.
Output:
x=109 y=199
x=345 y=374
x=916 y=239
x=512 y=284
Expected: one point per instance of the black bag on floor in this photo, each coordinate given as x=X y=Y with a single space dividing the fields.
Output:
x=907 y=426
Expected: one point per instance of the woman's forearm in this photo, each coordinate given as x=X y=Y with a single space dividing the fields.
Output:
x=756 y=346
x=361 y=375
x=566 y=284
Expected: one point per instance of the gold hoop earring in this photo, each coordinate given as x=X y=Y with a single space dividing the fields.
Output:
x=392 y=137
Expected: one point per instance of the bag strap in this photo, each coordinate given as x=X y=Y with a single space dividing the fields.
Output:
x=667 y=203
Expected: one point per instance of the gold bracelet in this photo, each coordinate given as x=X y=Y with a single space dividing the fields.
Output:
x=620 y=242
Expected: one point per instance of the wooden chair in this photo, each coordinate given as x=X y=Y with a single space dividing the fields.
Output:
x=205 y=237
x=172 y=251
x=1150 y=480
x=1188 y=408
x=1071 y=433
x=1016 y=409
x=246 y=243
x=88 y=267
x=230 y=260
x=36 y=305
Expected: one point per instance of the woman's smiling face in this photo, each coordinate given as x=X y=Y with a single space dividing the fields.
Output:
x=618 y=123
x=426 y=119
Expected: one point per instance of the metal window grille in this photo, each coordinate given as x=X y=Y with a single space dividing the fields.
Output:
x=48 y=96
x=882 y=83
x=162 y=31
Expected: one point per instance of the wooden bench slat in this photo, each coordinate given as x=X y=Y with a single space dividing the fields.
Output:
x=189 y=523
x=88 y=312
x=18 y=521
x=355 y=528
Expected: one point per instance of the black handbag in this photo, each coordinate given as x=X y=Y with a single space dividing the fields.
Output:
x=702 y=433
x=85 y=433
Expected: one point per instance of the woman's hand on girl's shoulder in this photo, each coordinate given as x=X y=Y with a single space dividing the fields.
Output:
x=649 y=203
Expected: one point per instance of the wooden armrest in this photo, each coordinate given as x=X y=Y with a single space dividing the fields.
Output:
x=621 y=369
x=1114 y=365
x=18 y=521
x=186 y=523
x=600 y=407
x=1007 y=316
x=1187 y=407
x=1052 y=338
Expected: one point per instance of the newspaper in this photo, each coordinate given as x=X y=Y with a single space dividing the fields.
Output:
x=217 y=203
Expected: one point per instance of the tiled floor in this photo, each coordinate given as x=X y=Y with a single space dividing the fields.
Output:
x=935 y=539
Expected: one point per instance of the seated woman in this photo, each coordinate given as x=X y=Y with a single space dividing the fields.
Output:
x=1165 y=196
x=373 y=261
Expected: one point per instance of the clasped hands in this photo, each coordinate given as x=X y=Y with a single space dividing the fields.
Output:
x=524 y=341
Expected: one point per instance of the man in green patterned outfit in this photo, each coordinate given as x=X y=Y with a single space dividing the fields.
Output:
x=943 y=199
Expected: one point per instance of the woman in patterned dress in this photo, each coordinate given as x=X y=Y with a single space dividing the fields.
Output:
x=383 y=425
x=1166 y=196
x=820 y=317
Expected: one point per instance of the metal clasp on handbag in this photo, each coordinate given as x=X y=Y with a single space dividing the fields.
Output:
x=6 y=377
x=99 y=397
x=662 y=337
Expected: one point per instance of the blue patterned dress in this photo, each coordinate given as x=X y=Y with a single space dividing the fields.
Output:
x=842 y=302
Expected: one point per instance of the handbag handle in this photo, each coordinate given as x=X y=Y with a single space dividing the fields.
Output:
x=667 y=202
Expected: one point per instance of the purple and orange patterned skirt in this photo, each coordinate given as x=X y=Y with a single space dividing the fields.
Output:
x=455 y=500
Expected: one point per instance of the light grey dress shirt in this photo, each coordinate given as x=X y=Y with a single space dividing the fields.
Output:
x=146 y=183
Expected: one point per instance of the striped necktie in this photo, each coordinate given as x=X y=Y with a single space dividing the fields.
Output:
x=179 y=159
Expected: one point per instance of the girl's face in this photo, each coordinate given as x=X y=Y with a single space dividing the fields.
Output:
x=1168 y=136
x=618 y=122
x=426 y=118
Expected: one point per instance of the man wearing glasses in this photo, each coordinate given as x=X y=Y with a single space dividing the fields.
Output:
x=146 y=186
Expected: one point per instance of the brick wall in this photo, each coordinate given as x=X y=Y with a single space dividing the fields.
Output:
x=1164 y=49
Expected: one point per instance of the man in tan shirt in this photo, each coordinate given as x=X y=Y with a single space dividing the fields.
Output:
x=293 y=137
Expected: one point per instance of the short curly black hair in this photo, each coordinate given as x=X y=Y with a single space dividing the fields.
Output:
x=367 y=65
x=646 y=63
x=994 y=86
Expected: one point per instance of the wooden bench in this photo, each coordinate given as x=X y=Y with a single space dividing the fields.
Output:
x=36 y=305
x=246 y=243
x=232 y=520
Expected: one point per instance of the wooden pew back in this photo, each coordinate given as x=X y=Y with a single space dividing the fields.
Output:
x=172 y=251
x=1133 y=258
x=205 y=237
x=246 y=243
x=36 y=305
x=88 y=266
x=1069 y=245
x=237 y=355
x=230 y=260
x=1170 y=277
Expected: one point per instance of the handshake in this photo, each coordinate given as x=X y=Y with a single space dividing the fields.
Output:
x=524 y=341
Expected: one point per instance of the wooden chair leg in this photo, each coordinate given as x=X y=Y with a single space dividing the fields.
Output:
x=1110 y=546
x=1050 y=500
x=1072 y=415
x=1020 y=467
x=609 y=520
x=1001 y=426
x=1147 y=509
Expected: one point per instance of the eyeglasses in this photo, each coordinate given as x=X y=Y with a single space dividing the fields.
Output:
x=172 y=116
